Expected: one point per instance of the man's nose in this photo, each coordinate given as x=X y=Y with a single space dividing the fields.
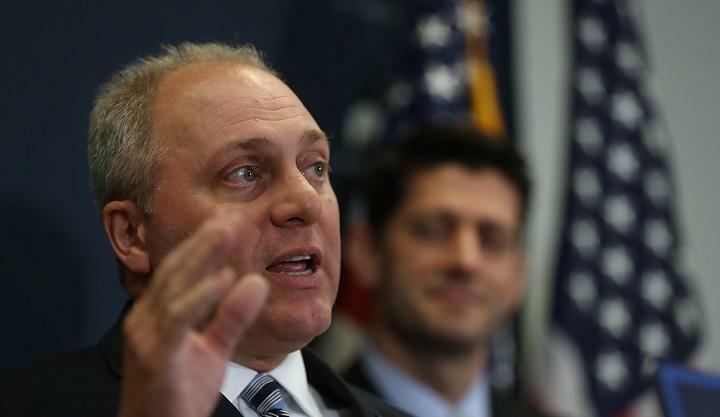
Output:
x=296 y=202
x=465 y=252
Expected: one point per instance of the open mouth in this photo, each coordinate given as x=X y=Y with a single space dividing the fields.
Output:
x=295 y=265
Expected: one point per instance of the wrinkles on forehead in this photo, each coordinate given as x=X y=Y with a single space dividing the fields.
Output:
x=256 y=143
x=236 y=95
x=236 y=110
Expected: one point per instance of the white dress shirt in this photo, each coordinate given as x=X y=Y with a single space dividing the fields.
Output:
x=416 y=398
x=300 y=398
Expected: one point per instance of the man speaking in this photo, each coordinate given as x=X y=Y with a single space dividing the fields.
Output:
x=212 y=181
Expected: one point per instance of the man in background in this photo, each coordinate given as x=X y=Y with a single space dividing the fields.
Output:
x=441 y=250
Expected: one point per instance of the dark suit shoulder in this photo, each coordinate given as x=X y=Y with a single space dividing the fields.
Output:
x=356 y=376
x=76 y=384
x=337 y=394
x=380 y=407
x=506 y=404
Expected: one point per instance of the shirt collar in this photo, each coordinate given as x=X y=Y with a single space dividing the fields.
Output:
x=418 y=399
x=290 y=374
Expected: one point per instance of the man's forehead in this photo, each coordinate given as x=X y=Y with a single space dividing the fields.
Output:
x=219 y=97
x=225 y=81
x=454 y=186
x=457 y=175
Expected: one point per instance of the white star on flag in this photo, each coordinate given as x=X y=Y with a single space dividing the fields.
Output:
x=658 y=188
x=614 y=317
x=626 y=110
x=583 y=291
x=592 y=34
x=655 y=138
x=687 y=315
x=587 y=185
x=611 y=370
x=653 y=339
x=433 y=32
x=619 y=213
x=585 y=237
x=617 y=264
x=655 y=289
x=622 y=161
x=590 y=85
x=441 y=82
x=657 y=237
x=628 y=58
x=588 y=134
x=399 y=95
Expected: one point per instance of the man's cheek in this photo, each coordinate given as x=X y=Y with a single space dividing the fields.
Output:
x=249 y=251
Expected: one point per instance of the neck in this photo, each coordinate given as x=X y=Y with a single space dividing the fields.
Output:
x=256 y=354
x=451 y=376
x=263 y=352
x=259 y=363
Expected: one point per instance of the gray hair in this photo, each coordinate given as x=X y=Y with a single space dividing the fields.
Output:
x=123 y=158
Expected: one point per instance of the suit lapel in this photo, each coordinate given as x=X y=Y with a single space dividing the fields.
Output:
x=356 y=375
x=334 y=391
x=225 y=409
x=501 y=403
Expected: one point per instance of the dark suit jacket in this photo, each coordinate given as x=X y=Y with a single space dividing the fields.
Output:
x=503 y=404
x=87 y=383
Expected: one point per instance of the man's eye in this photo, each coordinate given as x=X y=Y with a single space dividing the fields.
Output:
x=317 y=170
x=243 y=175
x=429 y=230
x=496 y=240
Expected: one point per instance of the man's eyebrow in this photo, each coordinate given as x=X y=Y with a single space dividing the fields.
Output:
x=251 y=143
x=310 y=136
x=244 y=144
x=314 y=135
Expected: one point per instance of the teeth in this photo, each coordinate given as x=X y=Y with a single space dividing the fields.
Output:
x=298 y=258
x=305 y=272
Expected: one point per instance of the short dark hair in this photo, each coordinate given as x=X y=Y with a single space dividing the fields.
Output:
x=430 y=147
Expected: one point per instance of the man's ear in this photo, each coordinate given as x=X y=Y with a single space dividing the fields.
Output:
x=124 y=223
x=362 y=255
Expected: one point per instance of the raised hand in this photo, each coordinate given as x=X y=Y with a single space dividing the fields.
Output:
x=183 y=329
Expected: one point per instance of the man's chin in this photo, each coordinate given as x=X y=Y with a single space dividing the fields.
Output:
x=299 y=327
x=438 y=341
x=448 y=345
x=269 y=341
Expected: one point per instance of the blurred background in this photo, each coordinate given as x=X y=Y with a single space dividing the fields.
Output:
x=58 y=279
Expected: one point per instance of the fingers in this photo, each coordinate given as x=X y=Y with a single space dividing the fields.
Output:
x=192 y=279
x=194 y=259
x=237 y=312
x=198 y=302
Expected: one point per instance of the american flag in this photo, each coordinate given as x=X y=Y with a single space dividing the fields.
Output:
x=445 y=75
x=621 y=293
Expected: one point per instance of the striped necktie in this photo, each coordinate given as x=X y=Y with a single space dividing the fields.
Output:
x=264 y=394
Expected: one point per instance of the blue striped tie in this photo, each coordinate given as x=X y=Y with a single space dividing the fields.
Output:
x=264 y=394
